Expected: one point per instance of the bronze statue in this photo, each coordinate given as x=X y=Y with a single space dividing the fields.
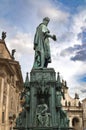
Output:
x=41 y=45
x=19 y=120
x=25 y=99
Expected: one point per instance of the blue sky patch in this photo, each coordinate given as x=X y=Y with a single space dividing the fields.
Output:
x=82 y=78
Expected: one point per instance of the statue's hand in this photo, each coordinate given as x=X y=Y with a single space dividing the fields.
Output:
x=54 y=37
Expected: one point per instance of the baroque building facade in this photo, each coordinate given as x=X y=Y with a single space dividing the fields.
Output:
x=84 y=113
x=11 y=83
x=74 y=109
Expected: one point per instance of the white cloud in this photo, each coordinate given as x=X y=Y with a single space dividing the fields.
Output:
x=79 y=20
x=22 y=42
x=65 y=29
x=55 y=14
x=71 y=70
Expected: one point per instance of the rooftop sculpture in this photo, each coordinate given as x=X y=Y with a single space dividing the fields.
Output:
x=3 y=35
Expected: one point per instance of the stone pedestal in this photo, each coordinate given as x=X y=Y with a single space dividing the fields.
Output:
x=44 y=111
x=42 y=85
x=46 y=74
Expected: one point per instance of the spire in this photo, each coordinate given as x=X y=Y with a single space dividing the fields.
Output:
x=58 y=80
x=66 y=85
x=26 y=84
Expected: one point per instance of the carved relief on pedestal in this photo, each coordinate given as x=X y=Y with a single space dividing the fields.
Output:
x=42 y=115
x=47 y=75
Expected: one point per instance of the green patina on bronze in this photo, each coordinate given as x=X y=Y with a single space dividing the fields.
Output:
x=41 y=45
x=42 y=94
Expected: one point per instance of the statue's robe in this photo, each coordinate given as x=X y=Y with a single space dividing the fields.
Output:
x=41 y=47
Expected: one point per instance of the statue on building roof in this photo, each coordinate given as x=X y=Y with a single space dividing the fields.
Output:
x=76 y=96
x=13 y=52
x=3 y=35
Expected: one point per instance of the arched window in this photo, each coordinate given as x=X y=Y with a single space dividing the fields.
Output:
x=69 y=103
x=75 y=121
x=3 y=117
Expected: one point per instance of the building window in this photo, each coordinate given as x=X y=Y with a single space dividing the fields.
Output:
x=3 y=117
x=4 y=99
x=75 y=121
x=11 y=103
x=69 y=103
x=66 y=103
x=79 y=104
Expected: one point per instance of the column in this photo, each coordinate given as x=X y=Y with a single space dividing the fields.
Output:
x=1 y=99
x=7 y=109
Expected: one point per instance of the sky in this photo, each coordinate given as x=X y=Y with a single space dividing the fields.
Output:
x=19 y=18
